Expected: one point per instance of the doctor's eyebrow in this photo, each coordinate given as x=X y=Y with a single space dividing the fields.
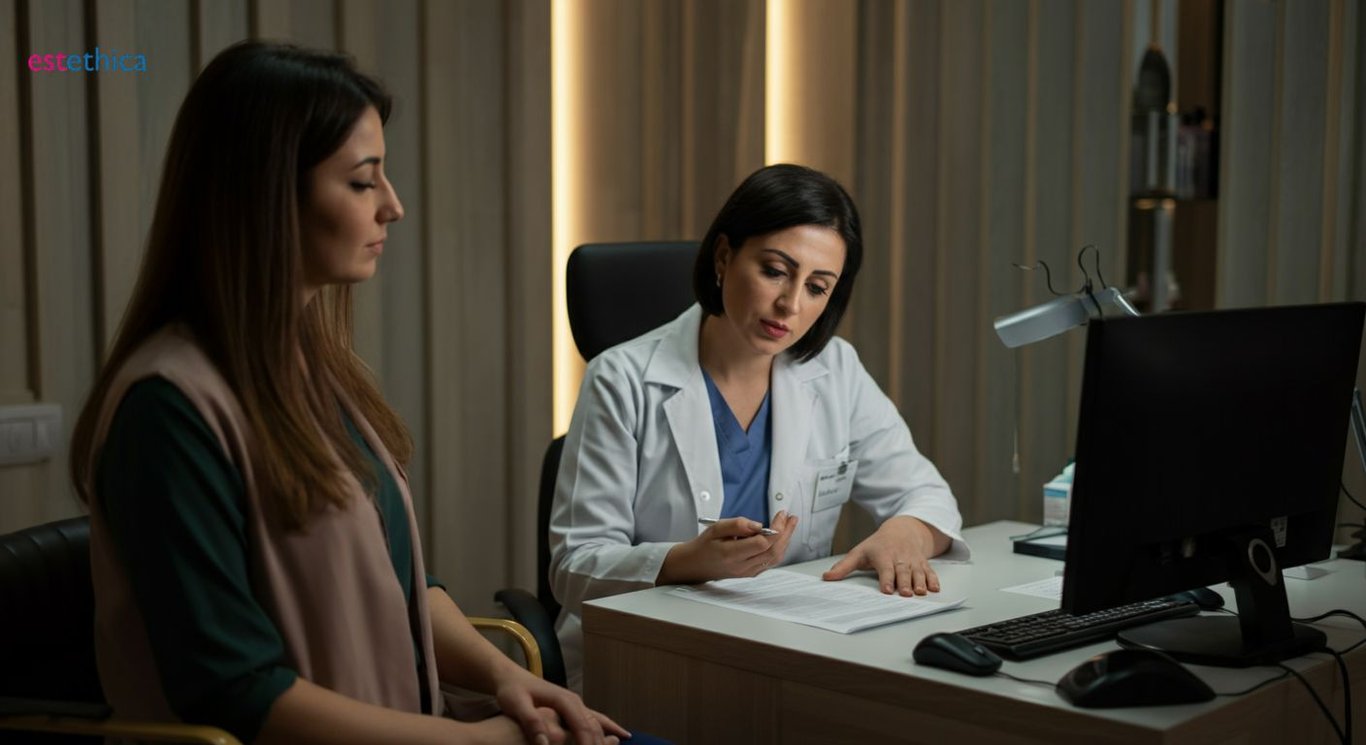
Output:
x=373 y=159
x=794 y=264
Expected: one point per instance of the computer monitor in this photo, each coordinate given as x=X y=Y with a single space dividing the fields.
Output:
x=1210 y=448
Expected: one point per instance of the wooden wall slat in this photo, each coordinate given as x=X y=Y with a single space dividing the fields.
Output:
x=269 y=19
x=61 y=237
x=917 y=180
x=1004 y=128
x=465 y=281
x=14 y=362
x=1336 y=211
x=122 y=186
x=401 y=362
x=1099 y=189
x=1298 y=234
x=960 y=236
x=1246 y=144
x=528 y=225
x=444 y=336
x=313 y=23
x=1044 y=443
x=879 y=102
x=723 y=126
x=356 y=27
x=218 y=23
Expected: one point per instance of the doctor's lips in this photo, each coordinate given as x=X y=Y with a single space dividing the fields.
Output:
x=377 y=246
x=773 y=328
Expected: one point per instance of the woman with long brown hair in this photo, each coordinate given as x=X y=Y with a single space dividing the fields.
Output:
x=256 y=559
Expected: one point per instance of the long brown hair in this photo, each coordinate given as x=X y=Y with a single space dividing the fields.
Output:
x=224 y=257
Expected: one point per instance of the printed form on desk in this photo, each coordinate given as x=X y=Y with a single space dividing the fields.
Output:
x=801 y=598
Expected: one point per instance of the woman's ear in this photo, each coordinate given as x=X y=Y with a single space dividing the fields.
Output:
x=721 y=257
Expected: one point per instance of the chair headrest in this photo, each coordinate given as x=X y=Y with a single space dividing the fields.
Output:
x=618 y=291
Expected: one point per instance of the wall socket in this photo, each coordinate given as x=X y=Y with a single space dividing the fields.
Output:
x=29 y=433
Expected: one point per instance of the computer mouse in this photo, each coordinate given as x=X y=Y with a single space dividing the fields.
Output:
x=1132 y=677
x=1204 y=597
x=957 y=653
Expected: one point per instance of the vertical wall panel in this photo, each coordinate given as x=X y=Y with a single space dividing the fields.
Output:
x=1246 y=140
x=916 y=181
x=313 y=23
x=723 y=54
x=528 y=219
x=960 y=198
x=269 y=19
x=663 y=106
x=880 y=119
x=121 y=184
x=1099 y=195
x=1343 y=144
x=218 y=23
x=14 y=336
x=1297 y=237
x=1044 y=419
x=466 y=290
x=356 y=30
x=401 y=361
x=60 y=191
x=1007 y=82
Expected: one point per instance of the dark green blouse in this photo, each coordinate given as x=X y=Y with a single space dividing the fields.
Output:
x=174 y=505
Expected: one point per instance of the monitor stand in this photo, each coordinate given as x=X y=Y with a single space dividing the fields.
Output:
x=1261 y=634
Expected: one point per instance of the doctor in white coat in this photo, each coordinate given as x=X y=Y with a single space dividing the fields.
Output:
x=745 y=409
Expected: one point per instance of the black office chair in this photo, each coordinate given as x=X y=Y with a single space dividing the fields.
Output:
x=49 y=682
x=48 y=679
x=614 y=292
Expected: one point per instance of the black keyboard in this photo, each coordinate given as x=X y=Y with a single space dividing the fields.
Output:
x=1055 y=630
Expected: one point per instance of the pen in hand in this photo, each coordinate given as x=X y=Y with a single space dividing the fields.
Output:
x=713 y=521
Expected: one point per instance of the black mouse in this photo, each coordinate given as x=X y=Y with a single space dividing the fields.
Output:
x=1204 y=597
x=957 y=653
x=1132 y=677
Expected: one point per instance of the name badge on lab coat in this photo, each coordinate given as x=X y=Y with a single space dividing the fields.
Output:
x=833 y=483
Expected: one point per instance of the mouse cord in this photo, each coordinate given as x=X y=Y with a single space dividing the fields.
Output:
x=1336 y=612
x=1322 y=706
x=1003 y=674
x=1346 y=692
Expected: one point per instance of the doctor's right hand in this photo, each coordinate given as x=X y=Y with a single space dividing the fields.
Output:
x=728 y=548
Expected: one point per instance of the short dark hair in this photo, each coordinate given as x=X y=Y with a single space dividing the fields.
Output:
x=775 y=198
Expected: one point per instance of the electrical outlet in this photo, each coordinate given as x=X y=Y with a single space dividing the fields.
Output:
x=29 y=433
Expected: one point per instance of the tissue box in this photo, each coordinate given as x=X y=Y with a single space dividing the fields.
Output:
x=1057 y=502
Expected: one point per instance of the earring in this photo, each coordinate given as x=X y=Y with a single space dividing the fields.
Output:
x=718 y=279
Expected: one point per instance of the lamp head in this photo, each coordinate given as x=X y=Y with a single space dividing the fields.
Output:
x=1058 y=315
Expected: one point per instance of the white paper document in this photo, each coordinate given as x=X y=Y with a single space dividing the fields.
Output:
x=1050 y=588
x=801 y=598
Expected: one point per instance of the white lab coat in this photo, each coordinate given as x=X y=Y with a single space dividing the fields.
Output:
x=640 y=465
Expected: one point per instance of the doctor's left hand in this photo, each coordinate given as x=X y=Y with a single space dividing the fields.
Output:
x=900 y=553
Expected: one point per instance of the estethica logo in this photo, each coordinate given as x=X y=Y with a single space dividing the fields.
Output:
x=95 y=61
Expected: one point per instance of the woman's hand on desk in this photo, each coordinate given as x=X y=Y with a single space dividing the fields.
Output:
x=728 y=548
x=900 y=553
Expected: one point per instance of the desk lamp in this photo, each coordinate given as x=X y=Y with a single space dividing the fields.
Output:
x=1063 y=312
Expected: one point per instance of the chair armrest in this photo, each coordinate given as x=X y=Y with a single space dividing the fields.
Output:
x=519 y=632
x=529 y=612
x=120 y=729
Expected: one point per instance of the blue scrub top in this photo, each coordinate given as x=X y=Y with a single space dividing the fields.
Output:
x=744 y=457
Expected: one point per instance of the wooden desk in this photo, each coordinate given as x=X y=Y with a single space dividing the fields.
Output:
x=697 y=673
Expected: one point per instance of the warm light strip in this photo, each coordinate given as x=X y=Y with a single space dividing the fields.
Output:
x=777 y=96
x=565 y=16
